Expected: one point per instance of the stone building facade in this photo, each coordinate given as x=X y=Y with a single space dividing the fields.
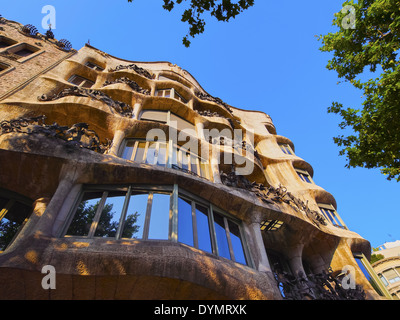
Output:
x=131 y=182
x=388 y=268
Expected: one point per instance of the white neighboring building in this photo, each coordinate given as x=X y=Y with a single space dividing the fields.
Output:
x=388 y=269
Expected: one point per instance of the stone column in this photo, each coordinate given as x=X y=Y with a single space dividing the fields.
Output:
x=137 y=108
x=39 y=207
x=262 y=264
x=69 y=174
x=294 y=256
x=118 y=138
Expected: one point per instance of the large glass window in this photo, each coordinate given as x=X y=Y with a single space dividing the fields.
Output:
x=185 y=222
x=14 y=212
x=156 y=214
x=133 y=226
x=159 y=218
x=121 y=214
x=370 y=275
x=155 y=115
x=202 y=227
x=80 y=81
x=170 y=93
x=157 y=153
x=168 y=117
x=331 y=215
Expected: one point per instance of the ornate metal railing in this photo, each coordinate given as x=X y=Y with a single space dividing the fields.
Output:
x=122 y=108
x=76 y=136
x=208 y=97
x=320 y=286
x=135 y=68
x=271 y=195
x=132 y=84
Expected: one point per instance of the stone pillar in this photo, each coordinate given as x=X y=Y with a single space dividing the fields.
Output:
x=137 y=108
x=68 y=176
x=262 y=264
x=214 y=163
x=294 y=256
x=39 y=207
x=118 y=138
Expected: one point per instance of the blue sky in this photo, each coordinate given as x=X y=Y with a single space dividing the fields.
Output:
x=266 y=59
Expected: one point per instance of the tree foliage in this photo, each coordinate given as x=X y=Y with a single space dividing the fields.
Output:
x=106 y=227
x=376 y=257
x=370 y=48
x=222 y=10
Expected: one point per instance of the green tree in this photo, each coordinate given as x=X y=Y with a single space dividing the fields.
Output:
x=222 y=10
x=365 y=54
x=376 y=257
x=106 y=227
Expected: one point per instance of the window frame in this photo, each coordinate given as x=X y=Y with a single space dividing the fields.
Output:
x=175 y=193
x=84 y=81
x=304 y=175
x=202 y=165
x=35 y=51
x=331 y=215
x=13 y=199
x=168 y=119
x=174 y=94
x=11 y=42
x=94 y=66
x=286 y=148
x=377 y=282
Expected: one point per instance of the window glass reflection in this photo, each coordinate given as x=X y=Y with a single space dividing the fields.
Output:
x=140 y=152
x=12 y=217
x=128 y=150
x=203 y=228
x=110 y=215
x=185 y=224
x=237 y=244
x=151 y=153
x=162 y=154
x=159 y=219
x=222 y=240
x=135 y=217
x=85 y=213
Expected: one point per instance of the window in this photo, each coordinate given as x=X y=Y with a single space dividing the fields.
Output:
x=94 y=66
x=169 y=118
x=204 y=227
x=194 y=224
x=81 y=81
x=170 y=93
x=23 y=50
x=375 y=280
x=6 y=42
x=162 y=213
x=121 y=214
x=271 y=225
x=391 y=276
x=155 y=115
x=331 y=215
x=159 y=153
x=383 y=280
x=14 y=212
x=304 y=175
x=4 y=67
x=286 y=148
